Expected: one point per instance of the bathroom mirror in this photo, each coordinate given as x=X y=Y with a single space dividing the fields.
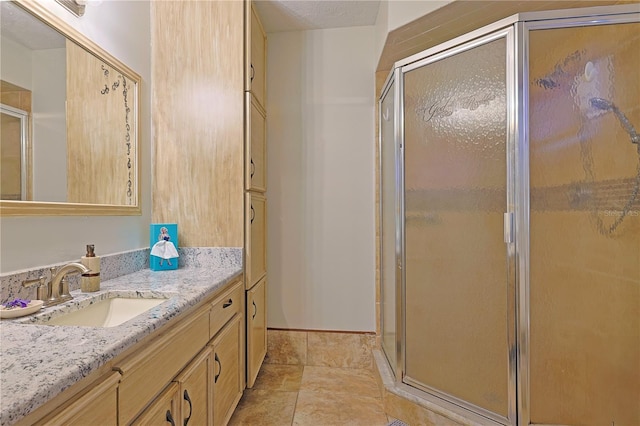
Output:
x=71 y=143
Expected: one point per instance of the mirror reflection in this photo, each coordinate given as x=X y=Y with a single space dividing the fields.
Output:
x=69 y=117
x=14 y=151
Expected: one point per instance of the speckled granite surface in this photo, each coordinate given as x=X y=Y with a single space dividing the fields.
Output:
x=39 y=361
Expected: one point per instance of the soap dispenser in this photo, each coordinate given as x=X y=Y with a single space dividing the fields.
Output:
x=90 y=281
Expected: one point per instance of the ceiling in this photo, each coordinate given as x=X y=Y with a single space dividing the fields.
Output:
x=300 y=15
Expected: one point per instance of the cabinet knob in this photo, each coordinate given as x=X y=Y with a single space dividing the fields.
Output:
x=253 y=213
x=227 y=304
x=253 y=168
x=255 y=310
x=253 y=72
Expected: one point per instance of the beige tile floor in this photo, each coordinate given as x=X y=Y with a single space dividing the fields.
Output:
x=311 y=396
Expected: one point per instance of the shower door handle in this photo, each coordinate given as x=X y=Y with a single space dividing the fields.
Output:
x=508 y=228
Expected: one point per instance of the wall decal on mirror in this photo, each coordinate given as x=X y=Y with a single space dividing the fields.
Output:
x=121 y=81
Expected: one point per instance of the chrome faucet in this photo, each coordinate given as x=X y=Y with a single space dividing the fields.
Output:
x=58 y=290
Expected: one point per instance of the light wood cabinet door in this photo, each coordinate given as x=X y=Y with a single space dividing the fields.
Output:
x=256 y=149
x=258 y=58
x=256 y=329
x=255 y=238
x=97 y=406
x=165 y=409
x=227 y=370
x=196 y=391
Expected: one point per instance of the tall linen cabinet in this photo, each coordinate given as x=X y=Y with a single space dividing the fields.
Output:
x=255 y=185
x=209 y=129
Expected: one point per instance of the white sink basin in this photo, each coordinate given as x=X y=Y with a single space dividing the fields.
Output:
x=106 y=313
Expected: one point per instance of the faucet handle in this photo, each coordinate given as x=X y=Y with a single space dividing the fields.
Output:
x=41 y=280
x=41 y=286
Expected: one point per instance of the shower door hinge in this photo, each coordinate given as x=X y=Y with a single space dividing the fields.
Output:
x=508 y=227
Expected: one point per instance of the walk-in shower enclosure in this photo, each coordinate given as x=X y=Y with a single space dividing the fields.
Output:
x=510 y=220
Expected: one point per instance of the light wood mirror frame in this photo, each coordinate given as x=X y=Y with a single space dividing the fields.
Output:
x=39 y=208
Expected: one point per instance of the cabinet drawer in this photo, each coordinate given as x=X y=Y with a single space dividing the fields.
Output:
x=97 y=406
x=225 y=307
x=148 y=371
x=255 y=238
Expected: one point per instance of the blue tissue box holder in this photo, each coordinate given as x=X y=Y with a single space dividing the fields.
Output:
x=159 y=232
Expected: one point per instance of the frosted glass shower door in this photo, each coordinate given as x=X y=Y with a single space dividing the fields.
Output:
x=584 y=103
x=455 y=170
x=388 y=195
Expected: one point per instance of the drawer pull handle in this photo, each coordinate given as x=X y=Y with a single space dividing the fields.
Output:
x=227 y=304
x=253 y=213
x=170 y=418
x=186 y=398
x=215 y=379
x=255 y=309
x=253 y=168
x=253 y=72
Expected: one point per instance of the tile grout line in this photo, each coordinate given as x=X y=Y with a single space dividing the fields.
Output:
x=295 y=405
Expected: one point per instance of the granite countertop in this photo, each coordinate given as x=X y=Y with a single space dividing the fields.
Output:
x=39 y=361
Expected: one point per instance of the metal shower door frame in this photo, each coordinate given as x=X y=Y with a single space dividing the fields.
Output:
x=606 y=15
x=503 y=29
x=392 y=78
x=23 y=117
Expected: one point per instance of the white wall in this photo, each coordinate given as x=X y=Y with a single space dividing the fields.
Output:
x=123 y=29
x=320 y=132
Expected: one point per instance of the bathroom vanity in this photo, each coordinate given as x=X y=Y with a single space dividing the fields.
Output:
x=182 y=361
